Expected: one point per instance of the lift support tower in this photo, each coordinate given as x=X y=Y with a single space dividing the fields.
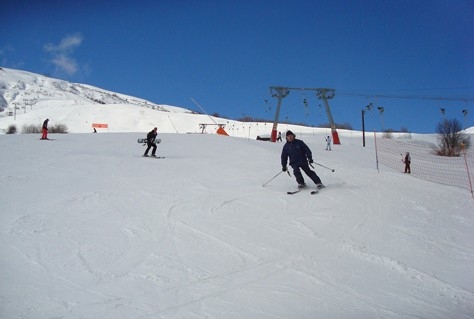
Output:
x=321 y=93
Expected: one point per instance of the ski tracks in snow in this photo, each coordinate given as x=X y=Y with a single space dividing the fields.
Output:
x=426 y=283
x=200 y=269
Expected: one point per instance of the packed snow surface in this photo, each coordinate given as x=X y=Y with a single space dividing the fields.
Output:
x=90 y=229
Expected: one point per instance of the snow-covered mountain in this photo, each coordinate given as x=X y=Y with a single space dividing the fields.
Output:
x=28 y=98
x=26 y=89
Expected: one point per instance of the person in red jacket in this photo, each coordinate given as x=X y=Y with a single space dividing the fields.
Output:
x=45 y=130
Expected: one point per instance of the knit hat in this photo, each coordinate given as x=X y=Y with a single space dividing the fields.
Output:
x=289 y=133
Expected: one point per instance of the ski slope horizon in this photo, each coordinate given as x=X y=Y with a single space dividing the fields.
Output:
x=30 y=98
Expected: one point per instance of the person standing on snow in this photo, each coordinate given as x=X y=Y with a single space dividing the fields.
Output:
x=328 y=145
x=45 y=130
x=300 y=157
x=150 y=140
x=407 y=161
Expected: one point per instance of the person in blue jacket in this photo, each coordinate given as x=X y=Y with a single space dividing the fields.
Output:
x=300 y=157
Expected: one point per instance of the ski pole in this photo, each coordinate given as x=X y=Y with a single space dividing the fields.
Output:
x=271 y=179
x=332 y=170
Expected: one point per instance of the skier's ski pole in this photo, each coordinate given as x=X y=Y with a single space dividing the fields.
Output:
x=271 y=179
x=332 y=170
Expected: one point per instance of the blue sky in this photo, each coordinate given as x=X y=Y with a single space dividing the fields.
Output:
x=410 y=57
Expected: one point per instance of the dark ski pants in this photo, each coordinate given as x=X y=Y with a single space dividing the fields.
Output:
x=150 y=145
x=311 y=174
x=407 y=167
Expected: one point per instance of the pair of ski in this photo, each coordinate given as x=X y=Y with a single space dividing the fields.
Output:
x=313 y=192
x=155 y=157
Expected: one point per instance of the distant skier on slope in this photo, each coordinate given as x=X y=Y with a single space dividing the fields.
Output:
x=279 y=137
x=328 y=143
x=150 y=140
x=45 y=130
x=300 y=155
x=407 y=161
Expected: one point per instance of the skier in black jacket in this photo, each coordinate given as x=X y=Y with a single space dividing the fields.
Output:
x=300 y=155
x=407 y=162
x=150 y=141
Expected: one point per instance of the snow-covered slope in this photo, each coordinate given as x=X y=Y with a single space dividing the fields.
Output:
x=89 y=229
x=27 y=98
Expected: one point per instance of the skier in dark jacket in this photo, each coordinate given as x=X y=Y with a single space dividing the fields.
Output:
x=150 y=141
x=407 y=162
x=300 y=155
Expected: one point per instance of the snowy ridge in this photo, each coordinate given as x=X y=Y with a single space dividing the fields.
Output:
x=23 y=87
x=75 y=105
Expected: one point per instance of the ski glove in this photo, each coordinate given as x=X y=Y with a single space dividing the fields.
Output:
x=283 y=168
x=310 y=161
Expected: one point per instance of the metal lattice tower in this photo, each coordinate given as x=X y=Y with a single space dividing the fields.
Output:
x=324 y=94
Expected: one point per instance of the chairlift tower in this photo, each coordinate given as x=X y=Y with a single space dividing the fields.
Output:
x=278 y=92
x=324 y=94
